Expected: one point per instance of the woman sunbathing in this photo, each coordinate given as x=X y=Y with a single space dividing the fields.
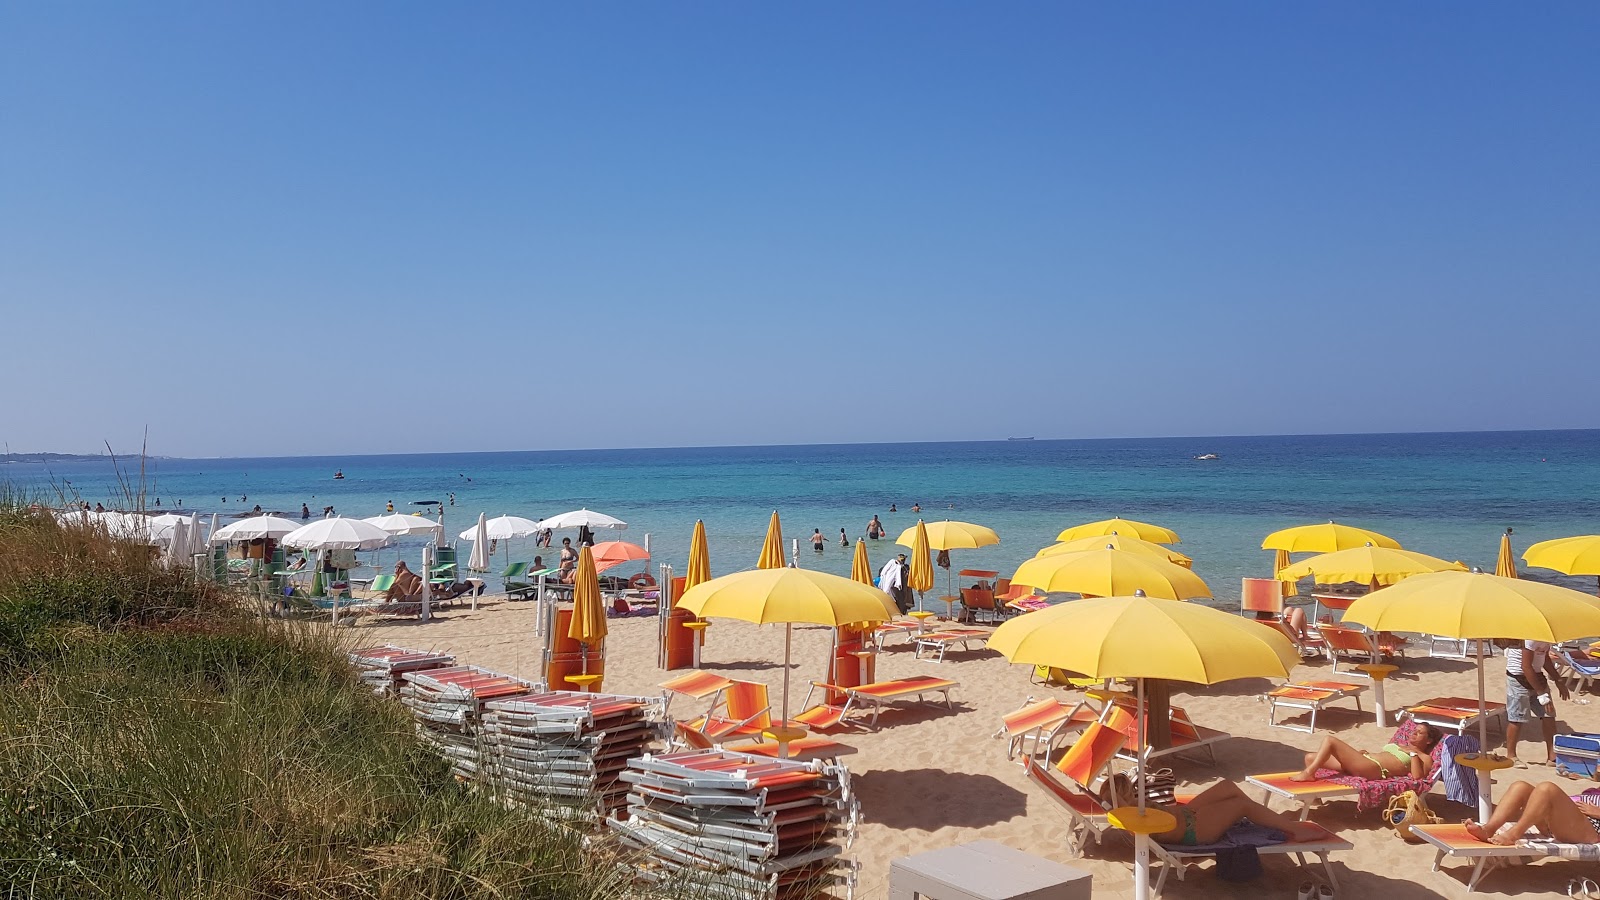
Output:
x=1206 y=817
x=1393 y=761
x=1542 y=806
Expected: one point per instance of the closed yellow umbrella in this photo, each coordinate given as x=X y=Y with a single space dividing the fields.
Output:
x=784 y=595
x=699 y=571
x=920 y=578
x=1280 y=561
x=1328 y=537
x=861 y=567
x=1505 y=565
x=588 y=609
x=1368 y=565
x=951 y=536
x=1139 y=637
x=772 y=550
x=1477 y=607
x=1569 y=556
x=1144 y=531
x=1111 y=573
x=1118 y=542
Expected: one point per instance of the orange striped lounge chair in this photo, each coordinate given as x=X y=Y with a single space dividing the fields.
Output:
x=876 y=695
x=1368 y=793
x=1313 y=696
x=745 y=708
x=1037 y=724
x=1070 y=781
x=885 y=630
x=937 y=643
x=1352 y=644
x=695 y=685
x=806 y=748
x=1457 y=714
x=1187 y=737
x=1454 y=841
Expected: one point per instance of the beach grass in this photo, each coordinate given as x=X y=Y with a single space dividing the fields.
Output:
x=158 y=740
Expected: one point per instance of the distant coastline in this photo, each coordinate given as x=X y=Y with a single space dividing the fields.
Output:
x=54 y=457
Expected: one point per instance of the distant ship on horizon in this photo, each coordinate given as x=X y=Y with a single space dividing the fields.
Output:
x=1019 y=438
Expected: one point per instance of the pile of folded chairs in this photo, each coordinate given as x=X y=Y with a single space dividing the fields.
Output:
x=563 y=752
x=383 y=668
x=448 y=706
x=733 y=826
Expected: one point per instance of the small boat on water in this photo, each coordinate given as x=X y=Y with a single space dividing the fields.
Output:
x=1019 y=438
x=1208 y=456
x=339 y=475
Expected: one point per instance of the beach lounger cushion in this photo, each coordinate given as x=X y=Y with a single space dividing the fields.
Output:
x=1578 y=753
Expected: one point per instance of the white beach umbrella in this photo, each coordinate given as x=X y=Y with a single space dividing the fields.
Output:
x=398 y=524
x=254 y=528
x=503 y=528
x=211 y=536
x=581 y=518
x=479 y=561
x=126 y=525
x=337 y=533
x=161 y=527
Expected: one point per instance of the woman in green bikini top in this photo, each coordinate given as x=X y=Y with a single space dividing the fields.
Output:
x=1394 y=761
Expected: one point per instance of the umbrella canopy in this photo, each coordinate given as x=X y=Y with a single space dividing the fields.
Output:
x=337 y=533
x=588 y=608
x=160 y=528
x=1111 y=573
x=1569 y=556
x=861 y=567
x=398 y=524
x=478 y=561
x=583 y=518
x=1366 y=564
x=1505 y=565
x=951 y=536
x=772 y=548
x=1117 y=542
x=254 y=529
x=612 y=553
x=920 y=578
x=503 y=528
x=1328 y=537
x=699 y=570
x=1144 y=531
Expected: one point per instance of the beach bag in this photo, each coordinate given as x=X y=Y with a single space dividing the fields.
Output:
x=1160 y=786
x=1406 y=810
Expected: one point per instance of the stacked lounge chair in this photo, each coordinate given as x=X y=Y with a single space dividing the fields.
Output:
x=736 y=826
x=383 y=668
x=448 y=706
x=563 y=751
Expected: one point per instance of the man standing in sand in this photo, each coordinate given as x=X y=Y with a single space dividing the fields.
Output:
x=1528 y=696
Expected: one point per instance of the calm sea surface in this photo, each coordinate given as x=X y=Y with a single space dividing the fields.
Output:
x=1450 y=495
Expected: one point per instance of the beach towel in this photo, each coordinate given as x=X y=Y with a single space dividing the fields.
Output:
x=1242 y=834
x=1460 y=782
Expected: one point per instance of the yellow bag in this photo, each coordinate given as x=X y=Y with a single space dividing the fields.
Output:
x=1406 y=810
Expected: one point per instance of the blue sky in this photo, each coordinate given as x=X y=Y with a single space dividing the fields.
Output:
x=312 y=228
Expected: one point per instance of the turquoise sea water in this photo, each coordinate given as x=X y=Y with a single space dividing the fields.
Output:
x=1450 y=495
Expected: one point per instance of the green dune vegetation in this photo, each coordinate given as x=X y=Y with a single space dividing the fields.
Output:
x=157 y=738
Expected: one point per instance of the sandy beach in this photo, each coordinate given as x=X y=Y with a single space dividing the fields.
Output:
x=932 y=777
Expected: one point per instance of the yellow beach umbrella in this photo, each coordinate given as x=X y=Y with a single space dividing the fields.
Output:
x=1328 y=537
x=784 y=595
x=772 y=550
x=951 y=536
x=1144 y=531
x=588 y=608
x=1505 y=565
x=1369 y=564
x=699 y=570
x=1569 y=556
x=1117 y=542
x=1111 y=573
x=920 y=578
x=1139 y=637
x=1477 y=607
x=861 y=567
x=1280 y=561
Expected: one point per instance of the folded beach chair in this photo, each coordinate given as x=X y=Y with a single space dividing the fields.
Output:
x=1037 y=725
x=1457 y=714
x=1070 y=782
x=1313 y=696
x=1368 y=794
x=1357 y=646
x=877 y=694
x=1187 y=737
x=1454 y=841
x=745 y=708
x=937 y=643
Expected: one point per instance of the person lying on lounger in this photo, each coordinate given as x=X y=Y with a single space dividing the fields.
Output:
x=407 y=584
x=1393 y=761
x=1206 y=817
x=1542 y=806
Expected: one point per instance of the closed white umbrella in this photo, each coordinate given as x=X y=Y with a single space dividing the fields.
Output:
x=502 y=528
x=211 y=536
x=583 y=518
x=337 y=533
x=255 y=528
x=178 y=542
x=479 y=561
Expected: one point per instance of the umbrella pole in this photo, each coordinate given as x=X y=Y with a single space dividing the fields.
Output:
x=1485 y=776
x=1141 y=841
x=788 y=634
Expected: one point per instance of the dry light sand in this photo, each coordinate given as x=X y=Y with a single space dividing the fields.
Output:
x=932 y=777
